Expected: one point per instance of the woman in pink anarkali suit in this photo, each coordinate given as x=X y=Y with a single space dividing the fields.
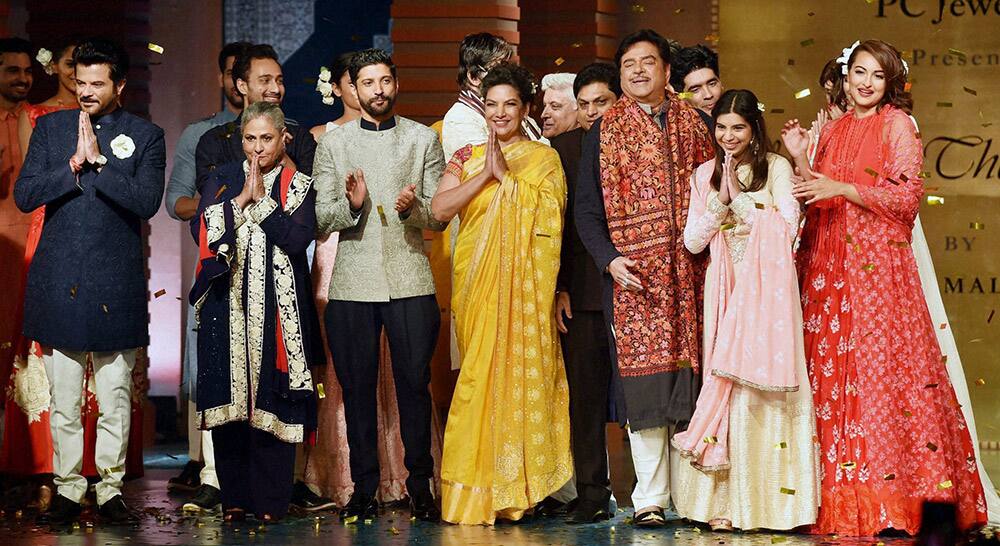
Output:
x=890 y=428
x=749 y=451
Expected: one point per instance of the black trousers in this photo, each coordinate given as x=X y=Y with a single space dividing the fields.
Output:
x=255 y=469
x=588 y=371
x=353 y=330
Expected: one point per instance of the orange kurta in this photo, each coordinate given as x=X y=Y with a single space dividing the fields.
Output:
x=13 y=232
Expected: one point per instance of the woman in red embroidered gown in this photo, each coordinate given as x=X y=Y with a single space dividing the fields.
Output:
x=27 y=438
x=890 y=429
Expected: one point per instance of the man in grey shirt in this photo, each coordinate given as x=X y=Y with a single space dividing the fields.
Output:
x=374 y=180
x=182 y=204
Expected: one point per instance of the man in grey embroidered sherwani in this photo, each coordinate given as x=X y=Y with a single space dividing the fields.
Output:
x=374 y=183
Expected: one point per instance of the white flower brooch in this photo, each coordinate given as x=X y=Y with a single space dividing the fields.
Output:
x=122 y=146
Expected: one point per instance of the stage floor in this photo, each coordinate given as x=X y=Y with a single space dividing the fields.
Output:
x=163 y=523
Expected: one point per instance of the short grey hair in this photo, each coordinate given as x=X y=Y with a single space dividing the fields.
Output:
x=560 y=81
x=264 y=109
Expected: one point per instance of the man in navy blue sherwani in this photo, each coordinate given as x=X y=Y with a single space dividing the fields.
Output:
x=98 y=171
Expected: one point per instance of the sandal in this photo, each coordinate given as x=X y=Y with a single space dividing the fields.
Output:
x=650 y=518
x=720 y=524
x=234 y=515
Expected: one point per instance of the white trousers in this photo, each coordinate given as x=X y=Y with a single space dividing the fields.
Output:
x=113 y=387
x=653 y=457
x=200 y=447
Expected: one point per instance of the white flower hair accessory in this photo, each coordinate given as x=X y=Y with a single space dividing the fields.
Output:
x=123 y=146
x=324 y=86
x=760 y=106
x=845 y=56
x=44 y=58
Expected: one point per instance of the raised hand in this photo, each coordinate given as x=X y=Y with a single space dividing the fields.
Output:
x=499 y=162
x=734 y=182
x=79 y=157
x=488 y=160
x=406 y=198
x=724 y=196
x=795 y=139
x=357 y=190
x=256 y=180
x=90 y=147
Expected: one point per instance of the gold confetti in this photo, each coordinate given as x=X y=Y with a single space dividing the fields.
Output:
x=686 y=95
x=980 y=381
x=848 y=465
x=381 y=215
x=871 y=172
x=104 y=307
x=944 y=485
x=159 y=293
x=350 y=519
x=976 y=225
x=899 y=244
x=989 y=319
x=791 y=62
x=924 y=174
x=868 y=267
x=393 y=531
x=724 y=227
x=850 y=240
x=944 y=104
x=893 y=182
x=803 y=93
x=787 y=491
x=778 y=540
x=320 y=391
x=221 y=190
x=889 y=477
x=931 y=386
x=958 y=52
x=931 y=446
x=807 y=43
x=560 y=61
x=72 y=292
x=638 y=8
x=577 y=45
x=711 y=440
x=906 y=413
x=155 y=48
x=759 y=205
x=781 y=445
x=712 y=37
x=944 y=359
x=778 y=111
x=970 y=91
x=935 y=200
x=678 y=11
x=6 y=345
x=943 y=326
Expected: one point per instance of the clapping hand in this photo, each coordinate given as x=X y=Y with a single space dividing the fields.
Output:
x=406 y=198
x=795 y=138
x=818 y=188
x=357 y=190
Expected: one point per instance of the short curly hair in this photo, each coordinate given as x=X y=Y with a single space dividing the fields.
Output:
x=518 y=77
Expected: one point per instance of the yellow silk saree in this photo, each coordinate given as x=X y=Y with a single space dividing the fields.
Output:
x=506 y=444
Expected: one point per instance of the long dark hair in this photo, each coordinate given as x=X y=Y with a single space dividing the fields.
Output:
x=745 y=104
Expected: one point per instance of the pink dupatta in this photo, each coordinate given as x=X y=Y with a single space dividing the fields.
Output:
x=751 y=335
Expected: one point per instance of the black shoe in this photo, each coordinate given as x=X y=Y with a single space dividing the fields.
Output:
x=61 y=511
x=361 y=507
x=205 y=499
x=588 y=512
x=304 y=499
x=188 y=480
x=550 y=507
x=423 y=507
x=116 y=512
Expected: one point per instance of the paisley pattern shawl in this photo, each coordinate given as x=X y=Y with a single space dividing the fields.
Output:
x=644 y=178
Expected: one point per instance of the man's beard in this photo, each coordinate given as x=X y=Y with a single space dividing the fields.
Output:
x=375 y=112
x=235 y=100
x=14 y=94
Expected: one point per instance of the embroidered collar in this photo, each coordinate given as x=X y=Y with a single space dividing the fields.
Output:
x=384 y=126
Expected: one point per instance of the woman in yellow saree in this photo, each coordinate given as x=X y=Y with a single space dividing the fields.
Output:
x=506 y=443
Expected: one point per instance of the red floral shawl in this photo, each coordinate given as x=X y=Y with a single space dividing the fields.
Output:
x=645 y=174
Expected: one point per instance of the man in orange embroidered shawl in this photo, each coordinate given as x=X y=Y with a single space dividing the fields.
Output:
x=631 y=208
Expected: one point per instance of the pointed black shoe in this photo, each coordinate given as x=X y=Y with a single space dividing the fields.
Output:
x=116 y=512
x=304 y=499
x=550 y=507
x=361 y=507
x=588 y=512
x=62 y=511
x=424 y=508
x=206 y=499
x=188 y=480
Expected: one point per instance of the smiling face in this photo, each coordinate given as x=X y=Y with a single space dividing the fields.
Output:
x=376 y=90
x=644 y=74
x=95 y=91
x=593 y=100
x=705 y=88
x=66 y=69
x=264 y=82
x=263 y=140
x=865 y=82
x=733 y=133
x=15 y=76
x=504 y=111
x=559 y=114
